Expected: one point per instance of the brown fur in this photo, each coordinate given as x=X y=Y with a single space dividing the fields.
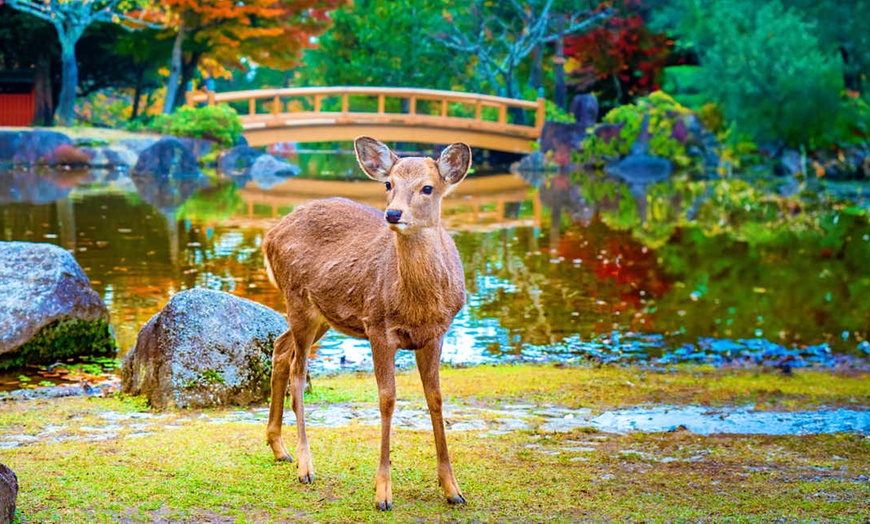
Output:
x=399 y=285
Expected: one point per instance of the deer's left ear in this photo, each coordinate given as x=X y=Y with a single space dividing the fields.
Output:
x=454 y=163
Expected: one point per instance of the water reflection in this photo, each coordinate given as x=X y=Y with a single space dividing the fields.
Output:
x=556 y=267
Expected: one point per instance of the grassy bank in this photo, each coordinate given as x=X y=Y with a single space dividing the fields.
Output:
x=183 y=466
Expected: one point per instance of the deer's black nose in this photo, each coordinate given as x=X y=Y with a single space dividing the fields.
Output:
x=393 y=216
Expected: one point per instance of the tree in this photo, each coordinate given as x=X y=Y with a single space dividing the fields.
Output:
x=377 y=43
x=843 y=25
x=766 y=69
x=502 y=35
x=265 y=32
x=621 y=59
x=70 y=19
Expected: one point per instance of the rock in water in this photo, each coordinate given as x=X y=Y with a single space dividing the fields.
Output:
x=48 y=311
x=206 y=348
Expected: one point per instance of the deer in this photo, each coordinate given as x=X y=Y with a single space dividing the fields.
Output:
x=393 y=277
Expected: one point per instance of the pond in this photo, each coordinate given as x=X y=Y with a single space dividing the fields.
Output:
x=558 y=267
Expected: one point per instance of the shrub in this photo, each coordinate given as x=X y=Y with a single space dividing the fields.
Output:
x=554 y=113
x=763 y=64
x=220 y=123
x=663 y=112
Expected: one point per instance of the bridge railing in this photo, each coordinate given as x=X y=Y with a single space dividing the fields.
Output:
x=380 y=105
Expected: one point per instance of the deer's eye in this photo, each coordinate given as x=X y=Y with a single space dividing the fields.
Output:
x=427 y=190
x=389 y=185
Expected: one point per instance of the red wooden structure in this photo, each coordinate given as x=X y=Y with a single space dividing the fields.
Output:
x=16 y=98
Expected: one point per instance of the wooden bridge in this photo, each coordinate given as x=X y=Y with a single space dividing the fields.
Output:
x=319 y=114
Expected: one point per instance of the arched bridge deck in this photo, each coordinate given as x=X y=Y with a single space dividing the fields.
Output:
x=317 y=114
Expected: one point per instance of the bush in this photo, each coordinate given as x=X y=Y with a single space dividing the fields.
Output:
x=220 y=123
x=554 y=113
x=663 y=112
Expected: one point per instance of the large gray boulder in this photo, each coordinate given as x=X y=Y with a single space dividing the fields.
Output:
x=584 y=107
x=32 y=147
x=238 y=160
x=168 y=157
x=206 y=348
x=110 y=157
x=268 y=171
x=8 y=494
x=48 y=310
x=9 y=143
x=167 y=174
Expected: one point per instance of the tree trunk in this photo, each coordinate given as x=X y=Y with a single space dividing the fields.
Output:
x=537 y=72
x=137 y=92
x=560 y=95
x=43 y=111
x=187 y=71
x=513 y=91
x=66 y=108
x=174 y=73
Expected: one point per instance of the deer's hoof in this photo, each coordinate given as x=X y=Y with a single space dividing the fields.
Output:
x=456 y=499
x=384 y=505
x=284 y=458
x=308 y=478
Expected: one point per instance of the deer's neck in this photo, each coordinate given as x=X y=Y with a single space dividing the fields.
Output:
x=424 y=267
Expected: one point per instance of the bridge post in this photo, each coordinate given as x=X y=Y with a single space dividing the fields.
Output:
x=541 y=112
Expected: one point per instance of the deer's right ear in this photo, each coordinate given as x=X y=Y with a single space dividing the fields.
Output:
x=374 y=157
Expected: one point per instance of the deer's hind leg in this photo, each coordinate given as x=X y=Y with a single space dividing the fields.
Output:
x=290 y=361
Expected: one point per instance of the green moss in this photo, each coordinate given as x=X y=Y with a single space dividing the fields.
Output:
x=62 y=339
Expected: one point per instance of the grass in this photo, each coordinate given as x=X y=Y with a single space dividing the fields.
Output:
x=201 y=466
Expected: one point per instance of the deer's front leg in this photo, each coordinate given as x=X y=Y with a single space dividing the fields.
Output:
x=384 y=360
x=428 y=363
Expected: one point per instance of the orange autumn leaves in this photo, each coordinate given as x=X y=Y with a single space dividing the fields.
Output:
x=266 y=32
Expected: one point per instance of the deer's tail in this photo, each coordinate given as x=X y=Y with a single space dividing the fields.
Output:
x=269 y=272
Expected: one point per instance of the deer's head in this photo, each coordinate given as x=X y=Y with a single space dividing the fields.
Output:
x=415 y=185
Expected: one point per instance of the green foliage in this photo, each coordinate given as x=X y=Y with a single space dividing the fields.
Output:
x=685 y=84
x=379 y=43
x=220 y=123
x=663 y=113
x=766 y=69
x=555 y=113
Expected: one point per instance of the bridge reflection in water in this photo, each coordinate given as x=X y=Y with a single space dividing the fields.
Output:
x=479 y=203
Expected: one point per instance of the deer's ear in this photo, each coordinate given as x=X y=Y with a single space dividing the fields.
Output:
x=374 y=157
x=454 y=163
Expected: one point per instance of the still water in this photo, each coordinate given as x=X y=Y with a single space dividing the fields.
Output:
x=557 y=267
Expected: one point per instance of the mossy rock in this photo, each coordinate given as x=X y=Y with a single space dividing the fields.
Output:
x=49 y=311
x=62 y=339
x=204 y=349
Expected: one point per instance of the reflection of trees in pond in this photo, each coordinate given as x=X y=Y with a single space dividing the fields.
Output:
x=591 y=281
x=806 y=286
x=748 y=262
x=213 y=204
